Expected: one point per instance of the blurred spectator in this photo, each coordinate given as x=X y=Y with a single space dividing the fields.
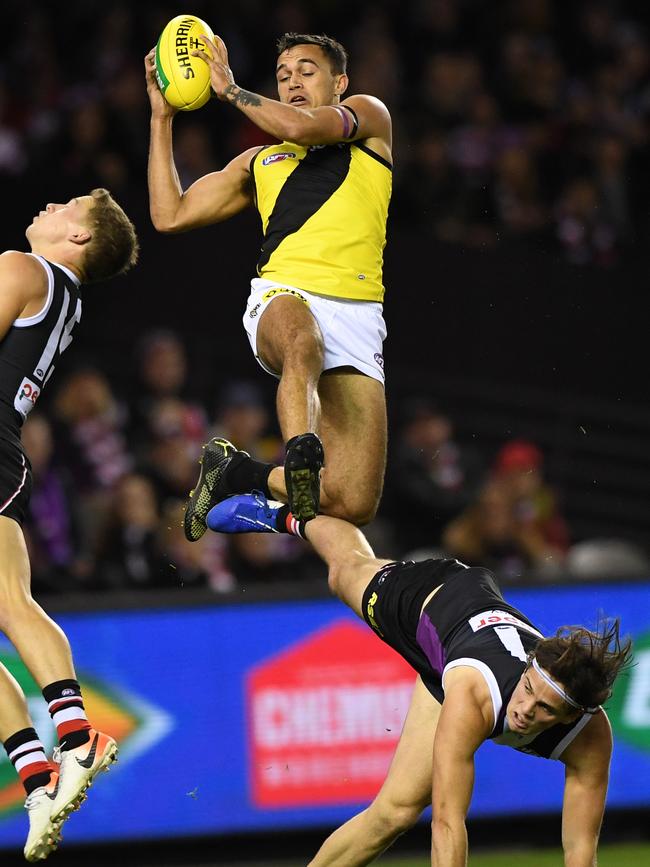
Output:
x=194 y=564
x=170 y=461
x=90 y=441
x=129 y=555
x=430 y=477
x=58 y=551
x=519 y=467
x=488 y=533
x=243 y=418
x=193 y=154
x=518 y=206
x=263 y=559
x=582 y=230
x=160 y=407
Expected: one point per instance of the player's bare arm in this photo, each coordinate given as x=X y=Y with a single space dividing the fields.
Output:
x=587 y=762
x=466 y=720
x=211 y=199
x=308 y=113
x=23 y=288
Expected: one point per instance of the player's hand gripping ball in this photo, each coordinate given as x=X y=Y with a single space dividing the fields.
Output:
x=183 y=79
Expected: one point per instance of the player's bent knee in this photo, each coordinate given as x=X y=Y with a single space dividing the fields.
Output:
x=14 y=602
x=304 y=349
x=394 y=819
x=334 y=579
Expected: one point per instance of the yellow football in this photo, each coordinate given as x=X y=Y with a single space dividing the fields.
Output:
x=183 y=79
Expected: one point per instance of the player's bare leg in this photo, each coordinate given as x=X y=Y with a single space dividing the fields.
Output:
x=45 y=650
x=402 y=798
x=41 y=644
x=290 y=342
x=14 y=715
x=353 y=432
x=38 y=776
x=350 y=560
x=407 y=789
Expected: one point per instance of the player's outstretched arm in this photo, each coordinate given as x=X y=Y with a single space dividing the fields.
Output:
x=22 y=282
x=462 y=728
x=211 y=199
x=587 y=762
x=326 y=124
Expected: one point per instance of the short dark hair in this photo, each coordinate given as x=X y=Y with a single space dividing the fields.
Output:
x=586 y=663
x=113 y=248
x=336 y=53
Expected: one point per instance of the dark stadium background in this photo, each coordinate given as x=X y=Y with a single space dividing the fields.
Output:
x=514 y=332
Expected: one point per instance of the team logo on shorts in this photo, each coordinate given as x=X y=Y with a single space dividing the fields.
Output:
x=370 y=609
x=276 y=158
x=379 y=358
x=283 y=290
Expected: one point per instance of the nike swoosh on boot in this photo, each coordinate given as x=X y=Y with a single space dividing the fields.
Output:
x=90 y=758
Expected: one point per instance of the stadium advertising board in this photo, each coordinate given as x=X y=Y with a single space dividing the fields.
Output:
x=281 y=715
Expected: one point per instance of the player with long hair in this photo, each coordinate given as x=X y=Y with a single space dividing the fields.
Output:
x=485 y=672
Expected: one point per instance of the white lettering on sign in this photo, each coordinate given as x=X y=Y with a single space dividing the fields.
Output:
x=499 y=618
x=329 y=714
x=636 y=711
x=296 y=770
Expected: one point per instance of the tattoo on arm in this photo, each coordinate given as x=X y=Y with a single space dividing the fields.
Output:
x=238 y=96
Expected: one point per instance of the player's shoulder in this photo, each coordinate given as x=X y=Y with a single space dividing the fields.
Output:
x=365 y=100
x=245 y=158
x=592 y=744
x=17 y=267
x=466 y=689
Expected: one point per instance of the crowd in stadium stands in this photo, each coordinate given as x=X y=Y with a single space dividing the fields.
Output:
x=525 y=119
x=111 y=477
x=516 y=121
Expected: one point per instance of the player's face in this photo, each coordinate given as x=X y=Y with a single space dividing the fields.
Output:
x=305 y=78
x=535 y=706
x=58 y=220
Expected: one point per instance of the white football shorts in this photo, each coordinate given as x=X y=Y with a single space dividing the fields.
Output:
x=353 y=331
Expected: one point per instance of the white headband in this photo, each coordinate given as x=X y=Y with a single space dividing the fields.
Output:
x=558 y=689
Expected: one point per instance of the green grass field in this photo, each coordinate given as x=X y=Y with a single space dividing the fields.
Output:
x=633 y=855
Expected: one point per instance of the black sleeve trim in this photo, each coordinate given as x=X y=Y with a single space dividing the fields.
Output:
x=374 y=155
x=355 y=121
x=255 y=156
x=252 y=173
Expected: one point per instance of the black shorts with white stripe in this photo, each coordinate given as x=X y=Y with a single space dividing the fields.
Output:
x=15 y=480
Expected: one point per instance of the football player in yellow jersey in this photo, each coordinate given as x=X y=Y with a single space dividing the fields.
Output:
x=314 y=315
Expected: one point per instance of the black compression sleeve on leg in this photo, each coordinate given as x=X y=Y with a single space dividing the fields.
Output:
x=247 y=474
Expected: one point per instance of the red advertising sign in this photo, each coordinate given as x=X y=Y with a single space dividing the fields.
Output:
x=324 y=717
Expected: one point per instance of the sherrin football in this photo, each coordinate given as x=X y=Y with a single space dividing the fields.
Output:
x=183 y=79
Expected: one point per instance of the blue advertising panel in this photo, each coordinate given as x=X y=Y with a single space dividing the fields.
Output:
x=285 y=714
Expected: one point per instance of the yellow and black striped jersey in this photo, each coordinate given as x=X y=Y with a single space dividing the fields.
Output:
x=324 y=212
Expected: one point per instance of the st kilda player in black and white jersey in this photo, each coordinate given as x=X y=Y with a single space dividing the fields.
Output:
x=85 y=240
x=484 y=673
x=29 y=353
